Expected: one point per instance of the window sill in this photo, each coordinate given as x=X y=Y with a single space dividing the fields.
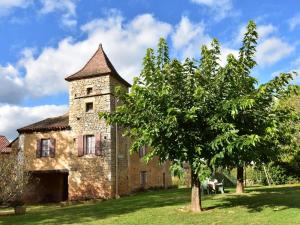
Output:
x=91 y=156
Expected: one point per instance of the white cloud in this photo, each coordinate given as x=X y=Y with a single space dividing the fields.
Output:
x=13 y=3
x=188 y=38
x=11 y=85
x=13 y=117
x=272 y=50
x=294 y=22
x=221 y=8
x=124 y=43
x=68 y=7
x=7 y=5
x=264 y=31
x=225 y=51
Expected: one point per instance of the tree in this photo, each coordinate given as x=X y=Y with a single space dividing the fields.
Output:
x=192 y=111
x=288 y=162
x=13 y=180
x=264 y=127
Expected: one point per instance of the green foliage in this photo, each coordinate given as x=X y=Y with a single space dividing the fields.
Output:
x=279 y=175
x=290 y=157
x=204 y=114
x=177 y=171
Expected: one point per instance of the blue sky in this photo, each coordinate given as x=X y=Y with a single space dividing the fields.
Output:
x=43 y=41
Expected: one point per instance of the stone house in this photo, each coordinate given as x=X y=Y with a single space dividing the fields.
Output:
x=77 y=155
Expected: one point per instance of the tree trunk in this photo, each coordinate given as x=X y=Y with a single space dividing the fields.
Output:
x=240 y=180
x=196 y=194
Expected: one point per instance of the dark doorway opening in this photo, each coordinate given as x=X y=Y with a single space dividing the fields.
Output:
x=48 y=186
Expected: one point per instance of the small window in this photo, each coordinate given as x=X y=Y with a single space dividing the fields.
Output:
x=143 y=176
x=89 y=107
x=89 y=145
x=89 y=90
x=142 y=151
x=45 y=147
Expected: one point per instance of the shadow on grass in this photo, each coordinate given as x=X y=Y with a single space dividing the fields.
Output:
x=255 y=200
x=94 y=211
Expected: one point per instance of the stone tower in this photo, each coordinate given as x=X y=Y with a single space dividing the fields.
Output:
x=91 y=90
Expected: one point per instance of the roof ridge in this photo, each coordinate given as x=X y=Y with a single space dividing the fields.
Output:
x=99 y=64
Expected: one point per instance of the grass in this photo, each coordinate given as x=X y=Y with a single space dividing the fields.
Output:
x=259 y=205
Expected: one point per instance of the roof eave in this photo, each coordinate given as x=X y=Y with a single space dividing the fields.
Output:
x=24 y=130
x=117 y=76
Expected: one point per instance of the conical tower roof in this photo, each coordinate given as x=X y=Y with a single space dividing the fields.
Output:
x=98 y=65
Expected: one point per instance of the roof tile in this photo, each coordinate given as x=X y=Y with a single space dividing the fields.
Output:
x=98 y=65
x=3 y=145
x=54 y=123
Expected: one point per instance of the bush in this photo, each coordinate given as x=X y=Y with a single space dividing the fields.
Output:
x=281 y=175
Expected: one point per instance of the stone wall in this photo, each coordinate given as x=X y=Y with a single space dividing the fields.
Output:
x=131 y=166
x=158 y=175
x=63 y=150
x=92 y=176
x=88 y=175
x=93 y=171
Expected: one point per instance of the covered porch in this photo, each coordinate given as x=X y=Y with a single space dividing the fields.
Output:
x=47 y=186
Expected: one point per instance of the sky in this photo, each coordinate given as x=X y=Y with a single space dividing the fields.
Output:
x=44 y=41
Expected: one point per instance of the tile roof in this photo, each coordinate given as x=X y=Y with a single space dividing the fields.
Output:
x=54 y=123
x=3 y=145
x=98 y=65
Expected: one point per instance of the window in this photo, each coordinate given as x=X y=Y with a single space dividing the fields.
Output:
x=45 y=144
x=89 y=107
x=89 y=145
x=142 y=151
x=143 y=175
x=89 y=90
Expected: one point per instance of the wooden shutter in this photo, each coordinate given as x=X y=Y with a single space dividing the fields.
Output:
x=39 y=148
x=80 y=145
x=52 y=147
x=98 y=149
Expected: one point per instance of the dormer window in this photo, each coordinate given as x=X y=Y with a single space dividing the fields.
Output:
x=89 y=107
x=89 y=90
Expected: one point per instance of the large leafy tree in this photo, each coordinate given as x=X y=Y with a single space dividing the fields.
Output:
x=264 y=129
x=193 y=111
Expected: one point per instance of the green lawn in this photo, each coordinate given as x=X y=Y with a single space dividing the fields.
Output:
x=260 y=205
